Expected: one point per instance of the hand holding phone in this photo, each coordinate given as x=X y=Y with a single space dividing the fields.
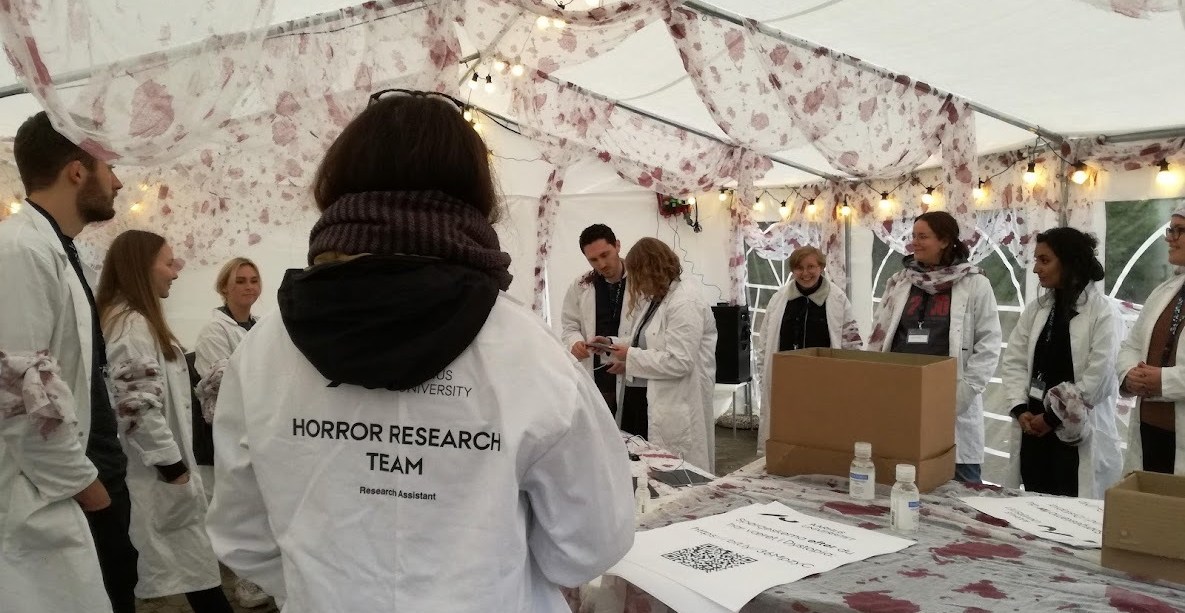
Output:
x=605 y=347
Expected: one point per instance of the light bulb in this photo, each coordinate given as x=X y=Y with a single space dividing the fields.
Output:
x=136 y=207
x=143 y=187
x=490 y=85
x=1079 y=175
x=845 y=210
x=473 y=82
x=928 y=197
x=811 y=207
x=477 y=127
x=1165 y=176
x=468 y=115
x=723 y=195
x=979 y=192
x=559 y=24
x=543 y=22
x=885 y=202
x=14 y=207
x=517 y=70
x=784 y=210
x=500 y=66
x=759 y=205
x=691 y=200
x=1030 y=175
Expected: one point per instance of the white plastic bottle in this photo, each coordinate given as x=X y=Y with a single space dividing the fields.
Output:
x=862 y=475
x=905 y=506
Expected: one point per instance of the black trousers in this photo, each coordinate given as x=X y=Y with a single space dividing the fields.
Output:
x=1160 y=448
x=607 y=383
x=117 y=556
x=1048 y=466
x=212 y=600
x=635 y=412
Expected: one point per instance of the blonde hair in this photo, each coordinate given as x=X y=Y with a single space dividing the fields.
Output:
x=802 y=253
x=228 y=270
x=651 y=266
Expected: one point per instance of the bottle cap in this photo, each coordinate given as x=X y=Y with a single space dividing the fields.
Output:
x=863 y=450
x=906 y=473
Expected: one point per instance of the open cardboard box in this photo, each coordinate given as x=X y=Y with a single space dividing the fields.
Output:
x=1144 y=526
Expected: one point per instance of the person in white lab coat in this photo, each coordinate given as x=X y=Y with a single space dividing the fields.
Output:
x=402 y=435
x=1150 y=368
x=942 y=305
x=61 y=464
x=152 y=399
x=239 y=286
x=1058 y=378
x=809 y=311
x=592 y=305
x=667 y=356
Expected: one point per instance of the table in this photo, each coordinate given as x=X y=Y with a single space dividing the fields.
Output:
x=963 y=561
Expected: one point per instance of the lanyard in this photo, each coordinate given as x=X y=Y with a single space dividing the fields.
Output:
x=923 y=308
x=1174 y=327
x=645 y=320
x=1047 y=332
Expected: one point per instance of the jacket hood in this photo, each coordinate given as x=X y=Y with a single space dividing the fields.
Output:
x=385 y=322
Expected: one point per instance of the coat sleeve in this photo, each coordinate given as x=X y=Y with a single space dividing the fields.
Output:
x=849 y=336
x=985 y=352
x=1133 y=350
x=237 y=521
x=570 y=324
x=1015 y=367
x=771 y=326
x=31 y=300
x=1098 y=382
x=213 y=344
x=683 y=334
x=140 y=394
x=582 y=505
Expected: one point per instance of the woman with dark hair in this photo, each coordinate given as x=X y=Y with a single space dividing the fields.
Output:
x=942 y=305
x=667 y=356
x=152 y=402
x=1058 y=381
x=404 y=436
x=1151 y=366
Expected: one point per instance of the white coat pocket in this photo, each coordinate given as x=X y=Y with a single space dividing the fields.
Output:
x=175 y=506
x=33 y=524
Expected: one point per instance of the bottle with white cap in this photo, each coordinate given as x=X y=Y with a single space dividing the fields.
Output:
x=905 y=504
x=862 y=475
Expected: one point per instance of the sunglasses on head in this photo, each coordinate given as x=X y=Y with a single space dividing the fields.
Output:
x=388 y=93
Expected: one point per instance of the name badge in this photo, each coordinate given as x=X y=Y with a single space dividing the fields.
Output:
x=918 y=336
x=1037 y=390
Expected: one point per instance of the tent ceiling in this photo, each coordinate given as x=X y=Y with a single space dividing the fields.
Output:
x=1060 y=64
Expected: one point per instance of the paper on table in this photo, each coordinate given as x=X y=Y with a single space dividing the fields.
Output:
x=1077 y=522
x=732 y=557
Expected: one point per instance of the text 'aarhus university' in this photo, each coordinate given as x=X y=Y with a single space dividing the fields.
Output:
x=412 y=436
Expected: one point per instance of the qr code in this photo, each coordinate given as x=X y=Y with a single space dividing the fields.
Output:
x=708 y=558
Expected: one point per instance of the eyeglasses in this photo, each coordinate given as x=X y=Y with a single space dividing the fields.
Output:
x=386 y=93
x=1174 y=232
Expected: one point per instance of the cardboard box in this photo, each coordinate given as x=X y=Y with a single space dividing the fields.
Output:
x=1144 y=526
x=827 y=399
x=788 y=460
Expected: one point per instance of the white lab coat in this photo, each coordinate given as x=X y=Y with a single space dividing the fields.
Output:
x=1094 y=342
x=840 y=323
x=679 y=365
x=216 y=342
x=47 y=554
x=1135 y=350
x=975 y=340
x=578 y=319
x=552 y=506
x=167 y=520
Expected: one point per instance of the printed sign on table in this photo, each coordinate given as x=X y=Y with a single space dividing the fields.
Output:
x=1077 y=522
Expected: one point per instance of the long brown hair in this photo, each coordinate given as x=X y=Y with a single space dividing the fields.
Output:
x=126 y=285
x=651 y=266
x=946 y=228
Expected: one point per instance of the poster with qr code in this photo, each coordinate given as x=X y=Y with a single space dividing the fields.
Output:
x=719 y=563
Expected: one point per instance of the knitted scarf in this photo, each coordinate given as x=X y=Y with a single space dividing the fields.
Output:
x=420 y=223
x=932 y=280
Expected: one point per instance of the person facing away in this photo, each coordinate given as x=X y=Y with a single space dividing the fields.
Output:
x=592 y=305
x=1057 y=375
x=1151 y=367
x=61 y=465
x=152 y=400
x=667 y=356
x=809 y=311
x=942 y=305
x=239 y=286
x=402 y=435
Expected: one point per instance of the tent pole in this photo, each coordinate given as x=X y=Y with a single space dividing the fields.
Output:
x=1129 y=137
x=1063 y=209
x=711 y=11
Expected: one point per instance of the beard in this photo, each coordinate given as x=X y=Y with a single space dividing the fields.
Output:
x=94 y=204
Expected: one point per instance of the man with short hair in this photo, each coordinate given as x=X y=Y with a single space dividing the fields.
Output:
x=593 y=304
x=56 y=471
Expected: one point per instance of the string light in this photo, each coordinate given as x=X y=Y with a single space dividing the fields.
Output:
x=1079 y=175
x=474 y=81
x=559 y=24
x=500 y=65
x=137 y=207
x=845 y=210
x=980 y=190
x=143 y=187
x=782 y=208
x=723 y=194
x=1030 y=175
x=14 y=207
x=691 y=200
x=517 y=69
x=477 y=127
x=1165 y=176
x=885 y=202
x=811 y=207
x=543 y=22
x=759 y=205
x=928 y=197
x=489 y=84
x=468 y=115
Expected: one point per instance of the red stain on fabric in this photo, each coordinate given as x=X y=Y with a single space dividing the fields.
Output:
x=978 y=551
x=1131 y=602
x=985 y=589
x=851 y=508
x=879 y=602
